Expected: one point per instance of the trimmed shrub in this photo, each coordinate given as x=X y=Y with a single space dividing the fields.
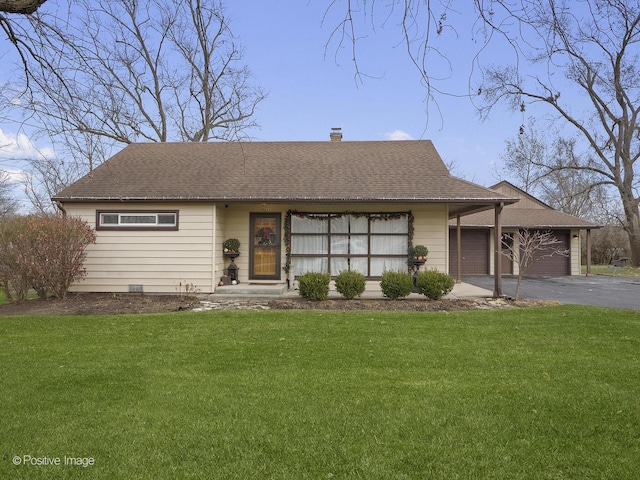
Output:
x=350 y=284
x=314 y=286
x=396 y=284
x=231 y=245
x=433 y=284
x=45 y=253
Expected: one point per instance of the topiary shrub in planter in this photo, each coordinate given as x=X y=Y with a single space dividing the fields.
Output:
x=231 y=245
x=314 y=286
x=433 y=284
x=396 y=284
x=350 y=284
x=419 y=253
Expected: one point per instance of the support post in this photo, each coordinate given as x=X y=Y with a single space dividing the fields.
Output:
x=459 y=254
x=497 y=257
x=588 y=252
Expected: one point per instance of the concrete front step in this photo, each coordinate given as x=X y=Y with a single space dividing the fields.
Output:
x=252 y=289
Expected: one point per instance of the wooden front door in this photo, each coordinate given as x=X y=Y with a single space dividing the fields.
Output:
x=264 y=259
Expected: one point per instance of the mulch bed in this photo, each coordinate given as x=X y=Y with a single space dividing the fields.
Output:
x=121 y=303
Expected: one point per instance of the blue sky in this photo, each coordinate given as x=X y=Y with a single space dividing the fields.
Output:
x=311 y=88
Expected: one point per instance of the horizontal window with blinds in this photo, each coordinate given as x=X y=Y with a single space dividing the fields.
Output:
x=137 y=220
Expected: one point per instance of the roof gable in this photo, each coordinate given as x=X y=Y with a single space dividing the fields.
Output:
x=526 y=200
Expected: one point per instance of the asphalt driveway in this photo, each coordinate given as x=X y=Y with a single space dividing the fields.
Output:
x=604 y=291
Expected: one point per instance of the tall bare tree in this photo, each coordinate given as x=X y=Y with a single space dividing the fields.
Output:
x=132 y=70
x=522 y=157
x=576 y=59
x=154 y=70
x=594 y=46
x=540 y=164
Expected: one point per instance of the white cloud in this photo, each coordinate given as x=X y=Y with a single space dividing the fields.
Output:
x=18 y=145
x=398 y=135
x=13 y=175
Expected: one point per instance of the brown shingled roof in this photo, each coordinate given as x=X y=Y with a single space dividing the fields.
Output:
x=528 y=213
x=400 y=171
x=527 y=218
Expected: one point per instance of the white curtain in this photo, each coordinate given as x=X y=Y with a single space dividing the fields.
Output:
x=302 y=265
x=349 y=244
x=349 y=224
x=306 y=245
x=362 y=241
x=389 y=245
x=309 y=244
x=380 y=264
x=318 y=224
x=392 y=225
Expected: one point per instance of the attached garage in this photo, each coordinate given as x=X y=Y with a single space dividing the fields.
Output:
x=474 y=252
x=556 y=264
x=477 y=232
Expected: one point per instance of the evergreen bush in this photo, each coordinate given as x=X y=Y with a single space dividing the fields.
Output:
x=433 y=284
x=396 y=284
x=350 y=284
x=314 y=286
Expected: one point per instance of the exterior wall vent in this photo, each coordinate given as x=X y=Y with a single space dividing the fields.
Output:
x=135 y=288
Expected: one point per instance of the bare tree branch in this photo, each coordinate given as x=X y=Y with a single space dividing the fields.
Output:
x=8 y=204
x=595 y=46
x=124 y=71
x=152 y=71
x=530 y=247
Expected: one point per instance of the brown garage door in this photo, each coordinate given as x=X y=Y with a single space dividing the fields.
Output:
x=475 y=252
x=556 y=264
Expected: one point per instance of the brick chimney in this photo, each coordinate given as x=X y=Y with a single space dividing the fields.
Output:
x=336 y=134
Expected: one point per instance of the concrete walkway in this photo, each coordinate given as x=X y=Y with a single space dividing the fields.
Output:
x=466 y=290
x=372 y=290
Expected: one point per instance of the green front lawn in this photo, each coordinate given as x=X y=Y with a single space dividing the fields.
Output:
x=543 y=393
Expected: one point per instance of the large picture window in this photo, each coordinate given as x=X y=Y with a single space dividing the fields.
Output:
x=136 y=220
x=369 y=243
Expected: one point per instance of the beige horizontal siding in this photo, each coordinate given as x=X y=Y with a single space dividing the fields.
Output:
x=431 y=229
x=152 y=240
x=152 y=268
x=161 y=261
x=126 y=255
x=158 y=260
